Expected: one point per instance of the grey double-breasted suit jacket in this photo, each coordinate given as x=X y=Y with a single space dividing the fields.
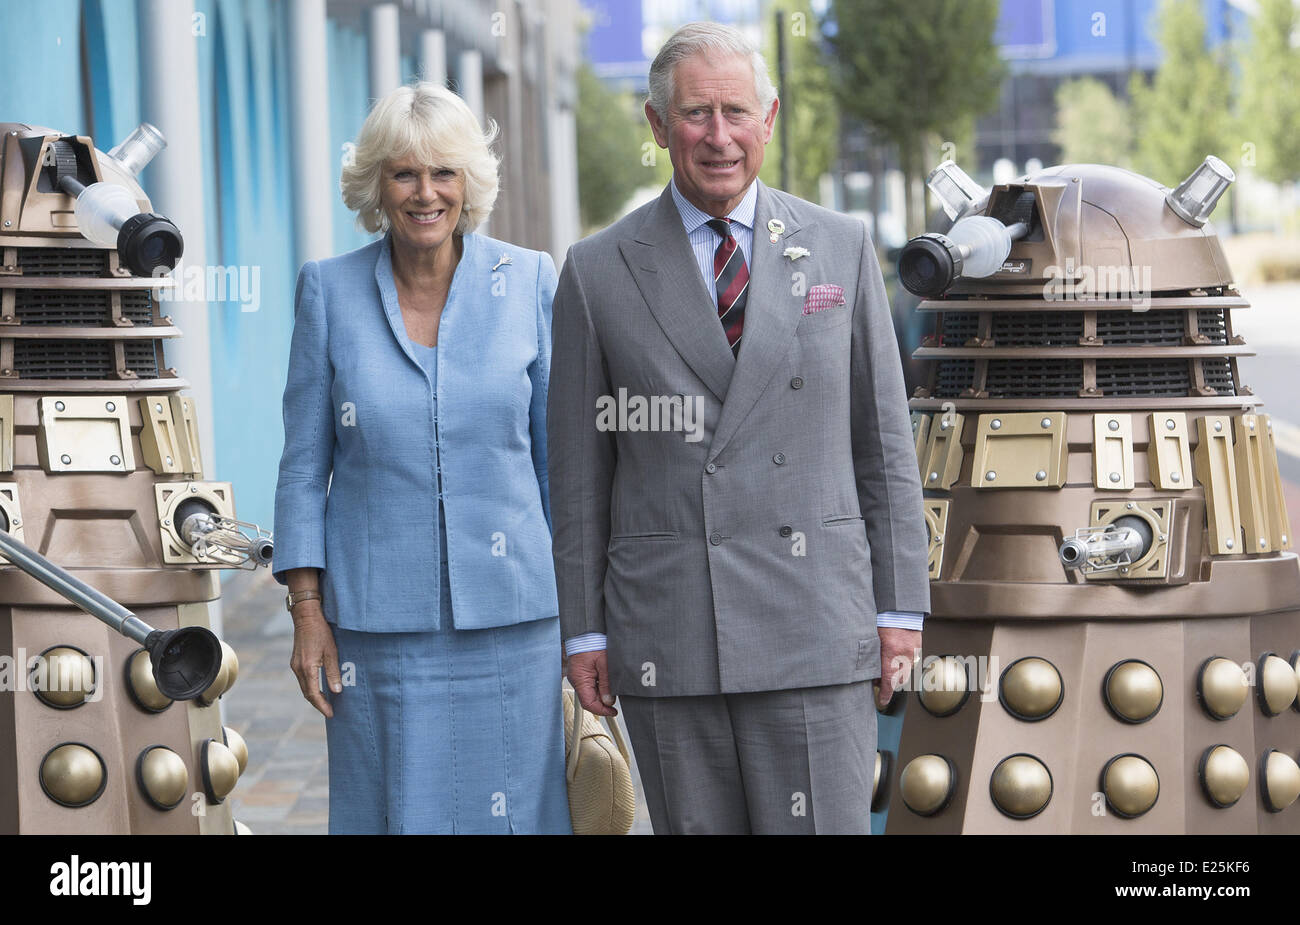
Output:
x=755 y=555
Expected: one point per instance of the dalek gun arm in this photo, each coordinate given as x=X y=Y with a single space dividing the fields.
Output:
x=185 y=661
x=1107 y=548
x=212 y=535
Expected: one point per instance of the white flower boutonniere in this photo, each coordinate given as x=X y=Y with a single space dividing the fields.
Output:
x=794 y=253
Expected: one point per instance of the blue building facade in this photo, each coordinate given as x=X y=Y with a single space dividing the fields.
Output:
x=1046 y=42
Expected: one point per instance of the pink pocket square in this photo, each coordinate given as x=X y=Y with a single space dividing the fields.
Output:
x=823 y=296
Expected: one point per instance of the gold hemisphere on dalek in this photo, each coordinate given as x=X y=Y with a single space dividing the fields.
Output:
x=1115 y=599
x=102 y=469
x=1021 y=786
x=65 y=677
x=1224 y=774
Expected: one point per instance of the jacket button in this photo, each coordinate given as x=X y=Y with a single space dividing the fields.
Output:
x=710 y=468
x=715 y=539
x=787 y=530
x=779 y=459
x=796 y=383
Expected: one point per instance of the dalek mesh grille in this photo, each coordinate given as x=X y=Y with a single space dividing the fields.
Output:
x=1037 y=329
x=137 y=307
x=959 y=327
x=63 y=359
x=1156 y=328
x=80 y=308
x=1034 y=378
x=63 y=261
x=1218 y=375
x=71 y=359
x=953 y=378
x=142 y=358
x=1123 y=378
x=1211 y=323
x=47 y=307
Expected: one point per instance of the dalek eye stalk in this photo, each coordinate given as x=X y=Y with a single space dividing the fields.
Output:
x=1116 y=606
x=109 y=532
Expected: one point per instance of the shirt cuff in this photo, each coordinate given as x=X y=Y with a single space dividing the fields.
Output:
x=587 y=642
x=903 y=620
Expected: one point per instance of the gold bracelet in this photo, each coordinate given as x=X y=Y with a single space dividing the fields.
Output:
x=294 y=598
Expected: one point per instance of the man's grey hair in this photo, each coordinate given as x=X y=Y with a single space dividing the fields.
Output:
x=704 y=38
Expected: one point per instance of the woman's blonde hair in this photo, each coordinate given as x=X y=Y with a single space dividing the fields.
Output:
x=436 y=126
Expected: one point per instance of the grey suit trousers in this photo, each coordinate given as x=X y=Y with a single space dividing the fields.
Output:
x=788 y=762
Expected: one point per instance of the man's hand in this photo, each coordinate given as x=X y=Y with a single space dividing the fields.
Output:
x=899 y=649
x=589 y=675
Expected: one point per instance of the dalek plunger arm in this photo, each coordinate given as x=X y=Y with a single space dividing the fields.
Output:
x=185 y=661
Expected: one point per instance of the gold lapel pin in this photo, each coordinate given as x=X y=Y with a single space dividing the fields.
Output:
x=775 y=228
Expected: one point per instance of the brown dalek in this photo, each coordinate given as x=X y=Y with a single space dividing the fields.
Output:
x=1116 y=606
x=108 y=715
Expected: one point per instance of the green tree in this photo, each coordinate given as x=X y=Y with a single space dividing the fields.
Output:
x=808 y=101
x=1270 y=114
x=1093 y=126
x=1184 y=113
x=913 y=70
x=610 y=128
x=656 y=166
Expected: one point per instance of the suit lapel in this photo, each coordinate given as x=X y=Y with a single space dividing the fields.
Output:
x=663 y=265
x=772 y=313
x=388 y=293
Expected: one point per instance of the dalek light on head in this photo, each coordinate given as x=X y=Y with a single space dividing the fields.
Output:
x=1116 y=607
x=109 y=532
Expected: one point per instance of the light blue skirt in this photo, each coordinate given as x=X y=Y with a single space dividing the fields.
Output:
x=453 y=731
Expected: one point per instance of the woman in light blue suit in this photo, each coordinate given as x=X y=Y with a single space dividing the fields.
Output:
x=411 y=514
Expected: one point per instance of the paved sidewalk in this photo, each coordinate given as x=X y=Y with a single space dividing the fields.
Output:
x=285 y=789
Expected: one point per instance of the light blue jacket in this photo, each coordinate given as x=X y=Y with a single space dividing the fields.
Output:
x=358 y=405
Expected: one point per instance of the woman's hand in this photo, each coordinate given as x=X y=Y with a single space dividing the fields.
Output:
x=314 y=648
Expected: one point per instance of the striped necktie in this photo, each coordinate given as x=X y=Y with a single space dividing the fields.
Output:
x=731 y=279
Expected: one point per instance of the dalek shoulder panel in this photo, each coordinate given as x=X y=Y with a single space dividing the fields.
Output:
x=1154 y=497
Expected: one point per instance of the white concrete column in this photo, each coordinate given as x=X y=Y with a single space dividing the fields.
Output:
x=512 y=65
x=385 y=47
x=169 y=99
x=562 y=141
x=469 y=83
x=433 y=56
x=169 y=96
x=312 y=157
x=561 y=124
x=469 y=80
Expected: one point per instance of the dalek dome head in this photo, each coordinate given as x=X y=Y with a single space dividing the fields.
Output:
x=54 y=185
x=1071 y=231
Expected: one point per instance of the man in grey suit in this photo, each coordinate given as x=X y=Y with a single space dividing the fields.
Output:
x=736 y=507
